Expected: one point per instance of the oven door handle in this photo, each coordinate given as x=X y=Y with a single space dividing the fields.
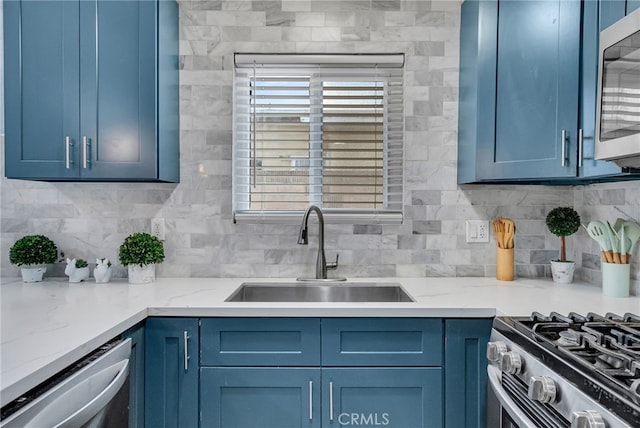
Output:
x=521 y=420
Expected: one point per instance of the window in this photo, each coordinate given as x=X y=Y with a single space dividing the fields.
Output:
x=323 y=130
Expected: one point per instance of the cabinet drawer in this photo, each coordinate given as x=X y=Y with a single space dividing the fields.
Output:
x=260 y=342
x=382 y=342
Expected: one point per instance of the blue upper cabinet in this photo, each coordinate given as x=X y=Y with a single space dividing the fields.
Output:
x=519 y=74
x=632 y=5
x=528 y=80
x=597 y=15
x=91 y=90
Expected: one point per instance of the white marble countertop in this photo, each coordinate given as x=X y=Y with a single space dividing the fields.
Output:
x=49 y=325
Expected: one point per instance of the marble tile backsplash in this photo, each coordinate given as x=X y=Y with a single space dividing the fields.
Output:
x=90 y=220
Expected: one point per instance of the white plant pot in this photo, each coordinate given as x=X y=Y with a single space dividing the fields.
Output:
x=79 y=274
x=562 y=272
x=32 y=274
x=102 y=276
x=142 y=275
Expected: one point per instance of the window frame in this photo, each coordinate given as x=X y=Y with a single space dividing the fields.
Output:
x=385 y=67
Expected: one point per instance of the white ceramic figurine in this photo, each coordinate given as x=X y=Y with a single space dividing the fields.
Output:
x=102 y=272
x=76 y=274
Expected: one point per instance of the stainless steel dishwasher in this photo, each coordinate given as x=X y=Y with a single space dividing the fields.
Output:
x=93 y=393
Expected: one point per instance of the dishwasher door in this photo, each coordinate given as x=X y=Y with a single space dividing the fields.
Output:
x=94 y=396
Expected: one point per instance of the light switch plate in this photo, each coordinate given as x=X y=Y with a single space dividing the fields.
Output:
x=477 y=231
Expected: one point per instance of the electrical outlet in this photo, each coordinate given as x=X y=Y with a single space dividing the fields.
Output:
x=157 y=228
x=477 y=231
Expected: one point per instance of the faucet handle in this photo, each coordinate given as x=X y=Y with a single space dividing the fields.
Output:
x=333 y=265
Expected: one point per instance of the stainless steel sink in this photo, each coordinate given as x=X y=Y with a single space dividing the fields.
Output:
x=319 y=292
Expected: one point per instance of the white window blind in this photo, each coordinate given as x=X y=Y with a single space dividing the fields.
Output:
x=321 y=130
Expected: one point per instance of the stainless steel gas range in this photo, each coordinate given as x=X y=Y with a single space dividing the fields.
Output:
x=578 y=371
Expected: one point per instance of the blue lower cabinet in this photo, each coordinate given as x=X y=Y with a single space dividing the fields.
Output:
x=256 y=397
x=136 y=376
x=171 y=387
x=466 y=372
x=390 y=397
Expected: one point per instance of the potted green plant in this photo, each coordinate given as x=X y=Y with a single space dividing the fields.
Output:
x=32 y=253
x=563 y=222
x=77 y=270
x=141 y=252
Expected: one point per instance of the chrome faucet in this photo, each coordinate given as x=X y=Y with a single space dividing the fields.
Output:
x=321 y=262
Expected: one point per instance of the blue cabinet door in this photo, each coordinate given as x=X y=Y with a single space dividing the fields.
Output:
x=41 y=89
x=537 y=75
x=118 y=51
x=252 y=397
x=391 y=397
x=465 y=369
x=171 y=377
x=632 y=5
x=610 y=11
x=136 y=377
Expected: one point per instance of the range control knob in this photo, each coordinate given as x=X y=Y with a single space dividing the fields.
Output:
x=587 y=419
x=510 y=362
x=542 y=389
x=494 y=349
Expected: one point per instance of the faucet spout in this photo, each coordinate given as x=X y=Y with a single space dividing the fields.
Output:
x=303 y=239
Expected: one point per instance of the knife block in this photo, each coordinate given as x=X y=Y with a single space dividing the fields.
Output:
x=504 y=264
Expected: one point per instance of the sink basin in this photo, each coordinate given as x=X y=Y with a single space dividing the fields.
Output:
x=319 y=292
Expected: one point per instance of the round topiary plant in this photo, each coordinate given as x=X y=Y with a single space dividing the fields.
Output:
x=141 y=249
x=562 y=222
x=33 y=250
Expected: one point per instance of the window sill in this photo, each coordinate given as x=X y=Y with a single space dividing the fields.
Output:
x=330 y=216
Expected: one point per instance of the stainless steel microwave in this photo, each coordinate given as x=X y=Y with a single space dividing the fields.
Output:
x=618 y=111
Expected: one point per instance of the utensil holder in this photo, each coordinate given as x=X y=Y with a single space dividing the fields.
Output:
x=615 y=279
x=504 y=264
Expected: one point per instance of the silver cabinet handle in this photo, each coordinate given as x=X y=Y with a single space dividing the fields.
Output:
x=310 y=400
x=331 y=401
x=563 y=136
x=67 y=149
x=185 y=339
x=580 y=147
x=84 y=151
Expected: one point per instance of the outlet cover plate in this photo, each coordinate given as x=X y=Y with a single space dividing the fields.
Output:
x=157 y=228
x=477 y=231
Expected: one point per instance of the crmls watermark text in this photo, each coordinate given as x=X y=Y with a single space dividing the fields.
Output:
x=364 y=419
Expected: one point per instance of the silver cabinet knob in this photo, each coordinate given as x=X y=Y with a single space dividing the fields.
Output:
x=494 y=349
x=587 y=419
x=510 y=362
x=542 y=389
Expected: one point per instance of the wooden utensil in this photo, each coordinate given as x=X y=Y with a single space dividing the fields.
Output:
x=509 y=232
x=498 y=231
